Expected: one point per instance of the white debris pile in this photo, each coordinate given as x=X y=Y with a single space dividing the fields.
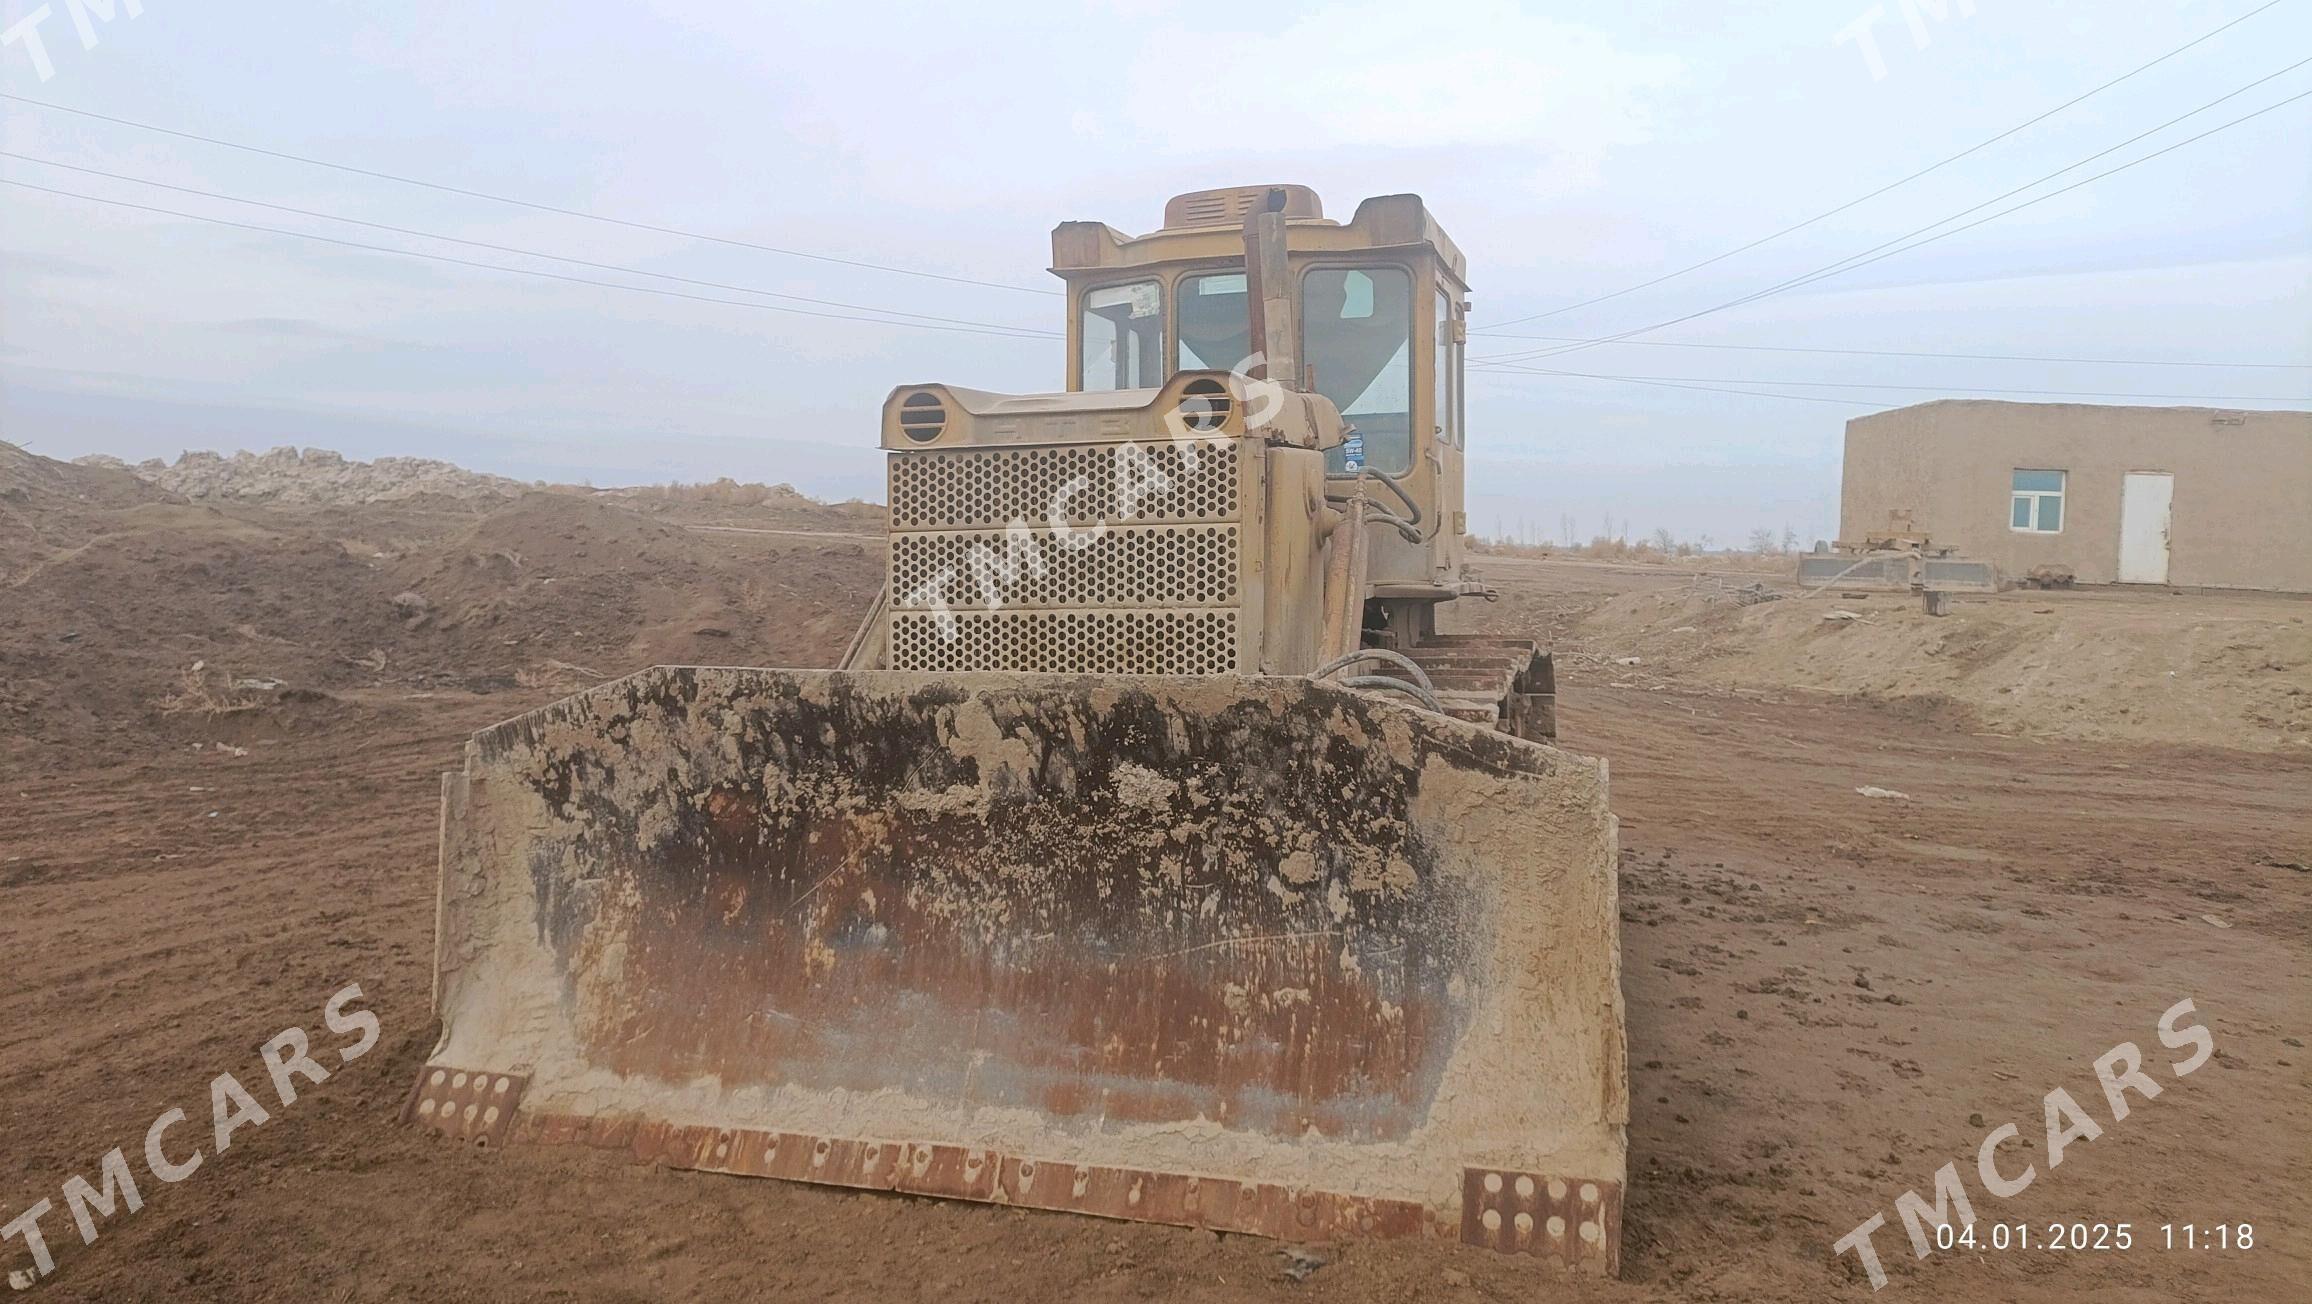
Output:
x=313 y=476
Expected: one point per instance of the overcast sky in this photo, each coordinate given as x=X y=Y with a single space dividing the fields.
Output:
x=1572 y=150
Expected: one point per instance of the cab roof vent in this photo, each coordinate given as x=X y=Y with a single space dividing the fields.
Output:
x=1229 y=207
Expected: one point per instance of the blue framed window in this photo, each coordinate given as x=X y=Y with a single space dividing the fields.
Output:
x=2035 y=502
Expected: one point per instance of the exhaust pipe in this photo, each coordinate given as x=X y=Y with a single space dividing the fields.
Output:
x=1268 y=294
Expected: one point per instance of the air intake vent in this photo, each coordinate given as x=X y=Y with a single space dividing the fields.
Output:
x=1204 y=405
x=1229 y=207
x=922 y=417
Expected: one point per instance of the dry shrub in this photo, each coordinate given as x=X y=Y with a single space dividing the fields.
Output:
x=202 y=688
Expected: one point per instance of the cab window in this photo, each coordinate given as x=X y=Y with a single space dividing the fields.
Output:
x=1215 y=325
x=1448 y=398
x=1123 y=336
x=1357 y=339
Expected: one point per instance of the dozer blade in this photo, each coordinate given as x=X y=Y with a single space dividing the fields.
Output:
x=1258 y=955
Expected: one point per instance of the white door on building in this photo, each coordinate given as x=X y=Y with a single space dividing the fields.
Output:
x=2144 y=501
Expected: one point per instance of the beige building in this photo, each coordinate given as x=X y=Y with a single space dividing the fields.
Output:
x=2188 y=496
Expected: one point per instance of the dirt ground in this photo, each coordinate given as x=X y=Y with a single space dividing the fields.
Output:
x=1830 y=994
x=2123 y=664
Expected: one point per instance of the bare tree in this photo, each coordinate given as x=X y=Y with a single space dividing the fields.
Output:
x=1664 y=540
x=1762 y=541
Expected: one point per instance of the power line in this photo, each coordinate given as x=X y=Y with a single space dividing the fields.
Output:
x=1853 y=261
x=1897 y=184
x=527 y=253
x=1890 y=353
x=1860 y=260
x=1673 y=384
x=525 y=203
x=1005 y=333
x=1032 y=331
x=1930 y=389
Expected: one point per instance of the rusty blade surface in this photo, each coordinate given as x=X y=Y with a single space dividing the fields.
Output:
x=1130 y=942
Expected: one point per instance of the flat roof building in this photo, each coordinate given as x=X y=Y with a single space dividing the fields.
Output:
x=2143 y=495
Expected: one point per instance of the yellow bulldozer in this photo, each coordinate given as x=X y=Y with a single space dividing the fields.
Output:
x=1151 y=855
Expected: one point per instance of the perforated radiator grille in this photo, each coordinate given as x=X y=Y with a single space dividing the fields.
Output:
x=1069 y=642
x=1143 y=566
x=968 y=489
x=1158 y=590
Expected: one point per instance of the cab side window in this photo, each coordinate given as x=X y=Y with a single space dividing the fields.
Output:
x=1123 y=336
x=1357 y=340
x=1448 y=398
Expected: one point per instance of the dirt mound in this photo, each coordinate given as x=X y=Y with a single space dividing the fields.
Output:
x=97 y=641
x=545 y=538
x=47 y=506
x=730 y=502
x=313 y=477
x=611 y=590
x=725 y=492
x=2228 y=670
x=582 y=575
x=134 y=619
x=30 y=482
x=310 y=479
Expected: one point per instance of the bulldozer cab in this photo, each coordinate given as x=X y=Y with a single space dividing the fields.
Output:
x=1378 y=308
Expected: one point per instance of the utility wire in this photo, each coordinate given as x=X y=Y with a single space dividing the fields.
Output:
x=1859 y=259
x=1853 y=261
x=1890 y=353
x=525 y=203
x=1673 y=384
x=1897 y=184
x=527 y=253
x=1003 y=332
x=1031 y=331
x=1931 y=389
x=1027 y=330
